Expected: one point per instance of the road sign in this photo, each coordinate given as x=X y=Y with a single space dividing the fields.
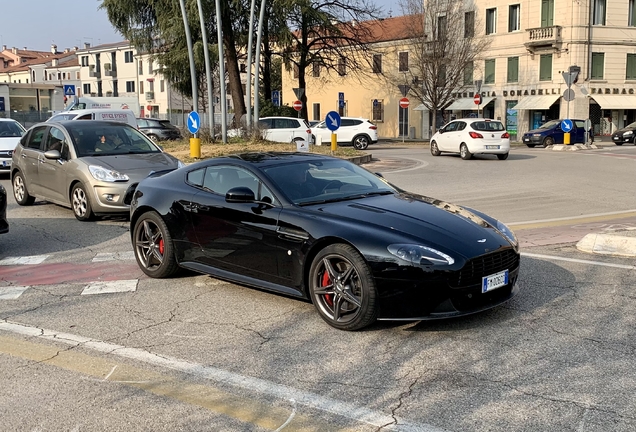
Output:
x=298 y=105
x=567 y=125
x=404 y=102
x=275 y=97
x=404 y=89
x=69 y=90
x=332 y=121
x=477 y=99
x=568 y=95
x=299 y=92
x=375 y=102
x=194 y=122
x=570 y=77
x=341 y=103
x=341 y=96
x=478 y=85
x=1 y=103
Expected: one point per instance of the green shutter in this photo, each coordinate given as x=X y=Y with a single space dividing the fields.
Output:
x=545 y=67
x=631 y=66
x=598 y=63
x=490 y=72
x=547 y=13
x=468 y=74
x=513 y=69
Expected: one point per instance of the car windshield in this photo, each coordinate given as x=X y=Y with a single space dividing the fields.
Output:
x=94 y=138
x=550 y=125
x=307 y=182
x=166 y=124
x=631 y=126
x=60 y=117
x=11 y=129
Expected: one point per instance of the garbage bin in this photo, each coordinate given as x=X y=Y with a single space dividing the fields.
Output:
x=412 y=132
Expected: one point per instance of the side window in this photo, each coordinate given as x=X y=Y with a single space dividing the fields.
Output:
x=85 y=117
x=265 y=124
x=346 y=122
x=451 y=127
x=461 y=126
x=195 y=178
x=142 y=123
x=220 y=179
x=55 y=139
x=579 y=124
x=36 y=138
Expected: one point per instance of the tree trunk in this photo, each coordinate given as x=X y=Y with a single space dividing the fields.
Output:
x=233 y=73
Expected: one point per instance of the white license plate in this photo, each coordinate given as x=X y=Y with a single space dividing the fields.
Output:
x=526 y=139
x=6 y=163
x=492 y=147
x=489 y=283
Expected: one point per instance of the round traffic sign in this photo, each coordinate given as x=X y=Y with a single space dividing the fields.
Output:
x=298 y=105
x=477 y=99
x=404 y=102
x=567 y=125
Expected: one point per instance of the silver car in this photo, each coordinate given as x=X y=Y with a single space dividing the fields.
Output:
x=87 y=166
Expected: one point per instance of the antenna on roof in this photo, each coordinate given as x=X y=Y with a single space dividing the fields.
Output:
x=390 y=13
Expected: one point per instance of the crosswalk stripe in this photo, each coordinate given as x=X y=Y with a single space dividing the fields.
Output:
x=26 y=260
x=110 y=287
x=12 y=292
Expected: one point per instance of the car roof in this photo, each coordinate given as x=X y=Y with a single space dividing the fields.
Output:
x=8 y=120
x=264 y=159
x=92 y=110
x=74 y=124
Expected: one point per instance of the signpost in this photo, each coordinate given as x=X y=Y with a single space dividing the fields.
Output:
x=566 y=126
x=477 y=100
x=333 y=121
x=194 y=124
x=275 y=97
x=477 y=94
x=404 y=104
x=298 y=105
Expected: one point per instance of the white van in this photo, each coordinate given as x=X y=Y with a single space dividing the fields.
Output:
x=119 y=115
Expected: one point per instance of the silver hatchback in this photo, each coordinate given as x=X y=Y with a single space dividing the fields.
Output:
x=85 y=165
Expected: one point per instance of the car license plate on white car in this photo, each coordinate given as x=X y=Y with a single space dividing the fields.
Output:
x=6 y=163
x=492 y=147
x=489 y=283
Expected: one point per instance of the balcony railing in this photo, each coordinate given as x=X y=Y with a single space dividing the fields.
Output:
x=543 y=36
x=111 y=73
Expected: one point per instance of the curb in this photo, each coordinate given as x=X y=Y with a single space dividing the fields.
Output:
x=573 y=147
x=359 y=160
x=609 y=244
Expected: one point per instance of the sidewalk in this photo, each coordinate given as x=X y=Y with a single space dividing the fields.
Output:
x=619 y=243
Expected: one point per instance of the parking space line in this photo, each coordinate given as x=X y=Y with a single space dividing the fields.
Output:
x=578 y=261
x=596 y=217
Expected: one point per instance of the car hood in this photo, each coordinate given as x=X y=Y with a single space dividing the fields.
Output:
x=623 y=130
x=134 y=164
x=9 y=143
x=538 y=131
x=432 y=221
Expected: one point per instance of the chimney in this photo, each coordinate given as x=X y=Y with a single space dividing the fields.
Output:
x=87 y=45
x=75 y=48
x=14 y=50
x=53 y=49
x=54 y=63
x=25 y=48
x=67 y=50
x=4 y=47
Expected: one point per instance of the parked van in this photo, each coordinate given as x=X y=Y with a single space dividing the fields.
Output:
x=118 y=115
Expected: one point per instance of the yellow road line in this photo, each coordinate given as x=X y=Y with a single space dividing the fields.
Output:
x=218 y=401
x=571 y=221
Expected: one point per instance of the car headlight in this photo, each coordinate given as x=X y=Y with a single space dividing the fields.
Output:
x=507 y=232
x=628 y=133
x=420 y=255
x=537 y=135
x=107 y=175
x=180 y=164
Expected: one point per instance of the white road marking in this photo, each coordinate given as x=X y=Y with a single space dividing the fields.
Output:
x=578 y=261
x=291 y=417
x=35 y=259
x=110 y=287
x=511 y=224
x=110 y=373
x=421 y=164
x=12 y=292
x=281 y=391
x=114 y=256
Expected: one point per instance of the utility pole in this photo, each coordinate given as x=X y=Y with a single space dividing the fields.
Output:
x=208 y=74
x=219 y=33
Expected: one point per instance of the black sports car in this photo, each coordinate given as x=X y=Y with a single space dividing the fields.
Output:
x=326 y=230
x=625 y=135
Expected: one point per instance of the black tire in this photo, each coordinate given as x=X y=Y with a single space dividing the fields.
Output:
x=81 y=203
x=360 y=142
x=20 y=191
x=154 y=138
x=434 y=149
x=464 y=153
x=619 y=144
x=531 y=145
x=351 y=303
x=548 y=141
x=153 y=246
x=502 y=156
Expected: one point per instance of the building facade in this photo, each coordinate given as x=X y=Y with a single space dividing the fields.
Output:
x=532 y=43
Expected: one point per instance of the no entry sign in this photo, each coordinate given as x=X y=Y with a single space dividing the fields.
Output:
x=404 y=102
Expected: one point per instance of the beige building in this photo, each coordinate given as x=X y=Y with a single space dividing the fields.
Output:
x=532 y=42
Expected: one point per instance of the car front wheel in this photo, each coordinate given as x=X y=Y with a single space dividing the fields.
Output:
x=20 y=191
x=153 y=246
x=548 y=142
x=361 y=142
x=464 y=153
x=434 y=149
x=342 y=288
x=81 y=203
x=502 y=156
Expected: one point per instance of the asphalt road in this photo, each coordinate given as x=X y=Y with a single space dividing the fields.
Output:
x=88 y=344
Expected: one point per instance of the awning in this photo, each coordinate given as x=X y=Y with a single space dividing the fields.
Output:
x=536 y=102
x=615 y=101
x=468 y=104
x=420 y=107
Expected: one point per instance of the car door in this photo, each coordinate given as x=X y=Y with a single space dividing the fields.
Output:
x=579 y=132
x=345 y=130
x=557 y=134
x=52 y=177
x=29 y=158
x=447 y=139
x=322 y=134
x=283 y=130
x=238 y=238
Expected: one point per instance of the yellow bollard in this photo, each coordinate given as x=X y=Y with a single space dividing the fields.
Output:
x=195 y=148
x=566 y=138
x=334 y=142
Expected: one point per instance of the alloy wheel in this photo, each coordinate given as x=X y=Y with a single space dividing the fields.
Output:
x=149 y=245
x=338 y=289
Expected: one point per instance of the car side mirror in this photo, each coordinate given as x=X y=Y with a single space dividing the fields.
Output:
x=53 y=154
x=240 y=194
x=379 y=174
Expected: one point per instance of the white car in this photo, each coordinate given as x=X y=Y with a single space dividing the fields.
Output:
x=358 y=132
x=471 y=136
x=10 y=133
x=285 y=129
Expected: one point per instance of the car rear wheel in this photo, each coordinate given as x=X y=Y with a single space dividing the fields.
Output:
x=20 y=191
x=464 y=153
x=342 y=288
x=153 y=246
x=361 y=142
x=434 y=150
x=530 y=145
x=81 y=203
x=548 y=142
x=153 y=137
x=618 y=143
x=502 y=156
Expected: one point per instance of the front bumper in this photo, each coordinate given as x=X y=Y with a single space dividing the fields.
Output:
x=622 y=139
x=529 y=139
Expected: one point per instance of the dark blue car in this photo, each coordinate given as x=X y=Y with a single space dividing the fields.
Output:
x=551 y=133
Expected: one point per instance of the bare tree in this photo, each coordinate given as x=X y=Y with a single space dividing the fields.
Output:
x=442 y=49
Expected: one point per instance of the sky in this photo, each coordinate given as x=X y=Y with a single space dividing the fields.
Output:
x=37 y=24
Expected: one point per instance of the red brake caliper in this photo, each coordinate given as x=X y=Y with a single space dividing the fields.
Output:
x=325 y=282
x=161 y=246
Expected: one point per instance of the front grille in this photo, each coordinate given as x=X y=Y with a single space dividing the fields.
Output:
x=6 y=153
x=485 y=265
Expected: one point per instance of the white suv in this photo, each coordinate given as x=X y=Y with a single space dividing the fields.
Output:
x=10 y=133
x=285 y=129
x=471 y=136
x=358 y=132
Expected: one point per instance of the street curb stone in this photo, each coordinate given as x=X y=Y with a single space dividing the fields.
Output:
x=573 y=147
x=620 y=243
